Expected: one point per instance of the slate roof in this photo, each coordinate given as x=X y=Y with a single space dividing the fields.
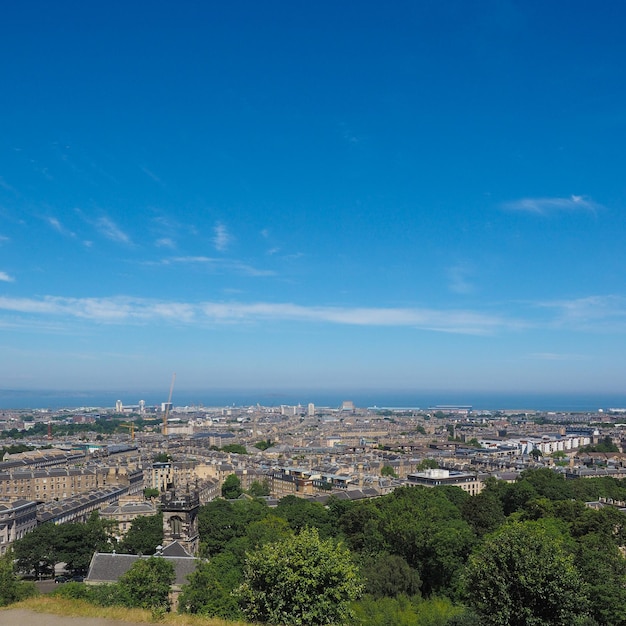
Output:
x=144 y=508
x=107 y=568
x=175 y=549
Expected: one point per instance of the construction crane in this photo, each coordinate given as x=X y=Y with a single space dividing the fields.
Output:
x=131 y=428
x=167 y=406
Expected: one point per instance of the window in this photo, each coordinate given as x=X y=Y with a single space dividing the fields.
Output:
x=176 y=526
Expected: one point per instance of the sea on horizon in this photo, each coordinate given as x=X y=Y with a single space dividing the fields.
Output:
x=566 y=402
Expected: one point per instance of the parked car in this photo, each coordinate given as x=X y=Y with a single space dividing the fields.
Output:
x=61 y=579
x=77 y=579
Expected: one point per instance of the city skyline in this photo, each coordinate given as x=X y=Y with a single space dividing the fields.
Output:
x=422 y=196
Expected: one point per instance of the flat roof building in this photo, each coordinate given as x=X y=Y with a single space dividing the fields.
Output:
x=438 y=477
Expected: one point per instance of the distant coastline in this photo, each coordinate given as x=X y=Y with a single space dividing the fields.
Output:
x=566 y=402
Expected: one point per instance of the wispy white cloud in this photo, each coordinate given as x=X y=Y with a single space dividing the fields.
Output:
x=137 y=310
x=108 y=228
x=152 y=175
x=267 y=235
x=547 y=206
x=4 y=277
x=440 y=320
x=222 y=238
x=165 y=242
x=591 y=313
x=3 y=239
x=56 y=224
x=220 y=265
x=4 y=185
x=459 y=279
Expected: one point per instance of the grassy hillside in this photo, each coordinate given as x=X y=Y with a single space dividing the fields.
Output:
x=78 y=608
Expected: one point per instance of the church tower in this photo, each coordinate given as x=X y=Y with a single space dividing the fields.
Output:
x=180 y=519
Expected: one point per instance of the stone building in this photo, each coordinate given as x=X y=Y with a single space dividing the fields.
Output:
x=438 y=477
x=180 y=520
x=125 y=511
x=56 y=483
x=17 y=518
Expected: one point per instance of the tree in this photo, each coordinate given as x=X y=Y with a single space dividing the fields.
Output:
x=259 y=489
x=387 y=470
x=483 y=512
x=147 y=583
x=75 y=542
x=268 y=530
x=514 y=496
x=400 y=611
x=523 y=576
x=144 y=535
x=234 y=448
x=216 y=526
x=427 y=464
x=301 y=580
x=548 y=483
x=231 y=489
x=222 y=521
x=264 y=444
x=389 y=575
x=427 y=530
x=360 y=525
x=603 y=569
x=210 y=587
x=11 y=588
x=301 y=513
x=37 y=552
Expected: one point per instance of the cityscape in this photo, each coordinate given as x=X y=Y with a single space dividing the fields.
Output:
x=309 y=451
x=135 y=465
x=313 y=313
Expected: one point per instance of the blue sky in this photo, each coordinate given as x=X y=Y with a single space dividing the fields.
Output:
x=409 y=195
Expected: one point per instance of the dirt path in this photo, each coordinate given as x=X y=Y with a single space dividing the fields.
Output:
x=21 y=617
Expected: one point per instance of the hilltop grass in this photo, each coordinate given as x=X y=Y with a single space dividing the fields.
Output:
x=79 y=608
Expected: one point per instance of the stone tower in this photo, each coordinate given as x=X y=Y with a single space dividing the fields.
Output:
x=180 y=519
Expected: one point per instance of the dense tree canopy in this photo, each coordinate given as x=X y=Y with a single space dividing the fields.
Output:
x=144 y=535
x=259 y=489
x=418 y=553
x=147 y=583
x=523 y=576
x=210 y=586
x=231 y=489
x=301 y=580
x=387 y=470
x=12 y=589
x=74 y=544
